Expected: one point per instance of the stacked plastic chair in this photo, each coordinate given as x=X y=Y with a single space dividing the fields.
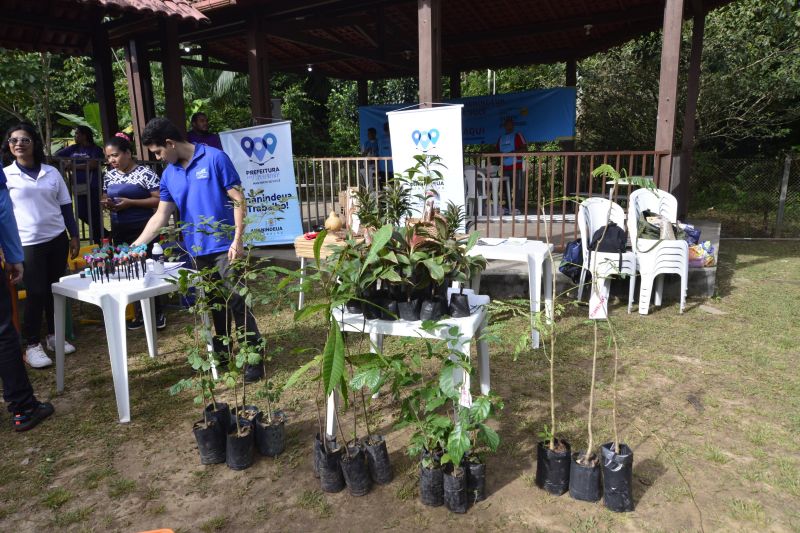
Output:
x=593 y=214
x=475 y=182
x=657 y=257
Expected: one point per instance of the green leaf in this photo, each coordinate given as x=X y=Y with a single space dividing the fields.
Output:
x=435 y=269
x=446 y=382
x=481 y=407
x=318 y=241
x=473 y=238
x=300 y=371
x=368 y=377
x=333 y=359
x=379 y=240
x=457 y=444
x=489 y=436
x=301 y=314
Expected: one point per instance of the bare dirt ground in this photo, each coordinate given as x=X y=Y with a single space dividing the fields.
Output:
x=709 y=401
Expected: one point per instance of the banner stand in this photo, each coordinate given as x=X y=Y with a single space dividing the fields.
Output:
x=262 y=156
x=431 y=131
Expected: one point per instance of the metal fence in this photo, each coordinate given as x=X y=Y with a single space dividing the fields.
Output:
x=750 y=197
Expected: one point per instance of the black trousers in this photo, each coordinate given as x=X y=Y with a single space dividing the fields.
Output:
x=44 y=265
x=236 y=307
x=126 y=234
x=17 y=389
x=90 y=204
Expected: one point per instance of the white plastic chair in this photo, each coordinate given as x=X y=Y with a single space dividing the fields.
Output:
x=475 y=182
x=653 y=257
x=593 y=214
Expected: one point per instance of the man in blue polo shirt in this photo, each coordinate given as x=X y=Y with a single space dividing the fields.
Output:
x=202 y=184
x=26 y=410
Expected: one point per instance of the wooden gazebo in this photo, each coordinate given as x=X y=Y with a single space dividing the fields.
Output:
x=355 y=39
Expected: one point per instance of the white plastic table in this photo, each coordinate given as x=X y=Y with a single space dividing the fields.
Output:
x=540 y=270
x=468 y=328
x=112 y=299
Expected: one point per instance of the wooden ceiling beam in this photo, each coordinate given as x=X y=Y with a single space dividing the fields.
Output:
x=343 y=50
x=557 y=55
x=554 y=26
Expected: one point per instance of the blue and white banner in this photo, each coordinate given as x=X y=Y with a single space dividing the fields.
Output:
x=432 y=131
x=262 y=156
x=540 y=115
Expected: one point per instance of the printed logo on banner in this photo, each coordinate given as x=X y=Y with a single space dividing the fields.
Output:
x=426 y=139
x=259 y=148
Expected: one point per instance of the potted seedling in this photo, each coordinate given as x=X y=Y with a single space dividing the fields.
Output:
x=337 y=291
x=552 y=452
x=209 y=431
x=616 y=457
x=270 y=426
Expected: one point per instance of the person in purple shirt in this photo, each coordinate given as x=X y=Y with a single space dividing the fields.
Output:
x=200 y=134
x=88 y=203
x=25 y=409
x=130 y=193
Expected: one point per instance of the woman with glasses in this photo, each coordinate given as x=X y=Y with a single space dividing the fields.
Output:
x=130 y=193
x=43 y=210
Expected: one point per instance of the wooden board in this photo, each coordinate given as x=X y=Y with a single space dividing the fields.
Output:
x=305 y=248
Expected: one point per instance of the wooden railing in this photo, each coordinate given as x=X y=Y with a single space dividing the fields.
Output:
x=536 y=196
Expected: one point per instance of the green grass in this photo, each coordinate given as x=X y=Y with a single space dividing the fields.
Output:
x=747 y=511
x=715 y=455
x=314 y=500
x=215 y=524
x=697 y=393
x=57 y=497
x=65 y=519
x=120 y=487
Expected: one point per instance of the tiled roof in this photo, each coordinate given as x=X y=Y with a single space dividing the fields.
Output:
x=172 y=8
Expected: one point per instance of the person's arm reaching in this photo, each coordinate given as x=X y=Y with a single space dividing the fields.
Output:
x=156 y=222
x=239 y=212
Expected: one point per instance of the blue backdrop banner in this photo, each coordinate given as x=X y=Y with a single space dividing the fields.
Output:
x=540 y=115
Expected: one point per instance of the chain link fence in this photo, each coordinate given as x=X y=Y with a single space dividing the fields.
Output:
x=747 y=195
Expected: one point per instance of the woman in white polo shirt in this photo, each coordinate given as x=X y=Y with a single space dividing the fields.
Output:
x=43 y=209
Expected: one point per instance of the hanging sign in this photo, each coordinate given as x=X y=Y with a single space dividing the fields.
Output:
x=262 y=156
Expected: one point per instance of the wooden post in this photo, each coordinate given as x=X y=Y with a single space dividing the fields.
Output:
x=571 y=73
x=430 y=50
x=173 y=75
x=692 y=93
x=104 y=83
x=258 y=69
x=363 y=93
x=668 y=87
x=570 y=80
x=140 y=91
x=455 y=84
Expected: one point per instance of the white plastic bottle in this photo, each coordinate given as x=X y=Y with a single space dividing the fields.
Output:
x=158 y=258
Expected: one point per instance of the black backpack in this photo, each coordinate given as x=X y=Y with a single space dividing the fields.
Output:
x=572 y=260
x=610 y=239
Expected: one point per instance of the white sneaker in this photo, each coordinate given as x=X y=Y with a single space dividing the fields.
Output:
x=36 y=358
x=51 y=345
